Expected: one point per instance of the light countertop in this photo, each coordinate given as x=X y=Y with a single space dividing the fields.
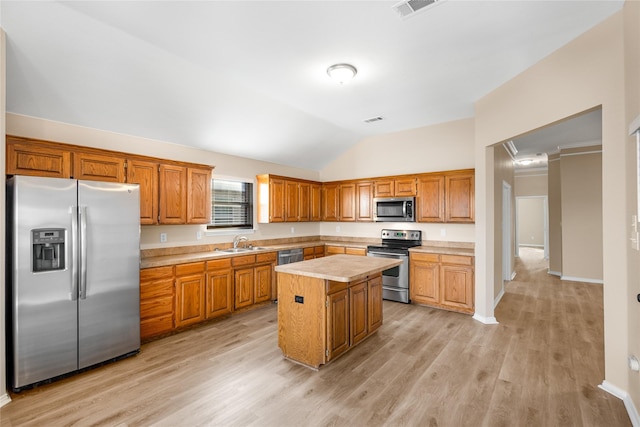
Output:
x=341 y=268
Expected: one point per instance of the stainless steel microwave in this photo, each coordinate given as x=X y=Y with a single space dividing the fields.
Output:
x=394 y=209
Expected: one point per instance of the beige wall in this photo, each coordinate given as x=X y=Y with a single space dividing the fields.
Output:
x=632 y=89
x=584 y=74
x=533 y=183
x=581 y=182
x=555 y=216
x=503 y=173
x=444 y=146
x=530 y=222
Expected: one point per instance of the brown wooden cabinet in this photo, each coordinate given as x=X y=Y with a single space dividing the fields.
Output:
x=364 y=200
x=338 y=250
x=146 y=175
x=374 y=303
x=460 y=197
x=358 y=307
x=304 y=202
x=347 y=202
x=443 y=281
x=313 y=252
x=26 y=158
x=253 y=279
x=219 y=291
x=291 y=201
x=190 y=293
x=395 y=187
x=337 y=322
x=156 y=301
x=173 y=194
x=198 y=196
x=282 y=199
x=315 y=201
x=430 y=201
x=330 y=202
x=98 y=167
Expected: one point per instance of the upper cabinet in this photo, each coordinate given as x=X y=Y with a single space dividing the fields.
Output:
x=459 y=189
x=430 y=200
x=283 y=199
x=395 y=187
x=170 y=192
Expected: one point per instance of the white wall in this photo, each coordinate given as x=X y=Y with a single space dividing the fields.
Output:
x=530 y=221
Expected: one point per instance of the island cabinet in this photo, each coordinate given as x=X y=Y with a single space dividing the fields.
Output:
x=320 y=315
x=156 y=301
x=442 y=281
x=253 y=279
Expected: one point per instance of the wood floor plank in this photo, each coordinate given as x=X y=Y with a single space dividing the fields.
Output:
x=540 y=366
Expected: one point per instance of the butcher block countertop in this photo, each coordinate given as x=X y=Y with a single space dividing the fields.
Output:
x=339 y=268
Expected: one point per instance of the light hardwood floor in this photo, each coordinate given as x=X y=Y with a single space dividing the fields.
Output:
x=539 y=367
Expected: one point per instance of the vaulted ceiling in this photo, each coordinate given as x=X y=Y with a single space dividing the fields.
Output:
x=248 y=78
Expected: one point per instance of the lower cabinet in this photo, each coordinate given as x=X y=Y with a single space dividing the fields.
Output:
x=219 y=292
x=190 y=292
x=253 y=278
x=156 y=301
x=337 y=250
x=442 y=281
x=337 y=323
x=313 y=252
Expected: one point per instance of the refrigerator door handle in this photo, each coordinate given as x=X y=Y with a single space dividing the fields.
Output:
x=82 y=214
x=74 y=253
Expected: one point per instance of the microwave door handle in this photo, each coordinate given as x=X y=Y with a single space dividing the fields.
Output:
x=404 y=209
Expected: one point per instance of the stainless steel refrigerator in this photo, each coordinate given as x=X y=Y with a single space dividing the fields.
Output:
x=73 y=278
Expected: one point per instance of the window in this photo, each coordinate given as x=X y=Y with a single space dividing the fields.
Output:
x=231 y=204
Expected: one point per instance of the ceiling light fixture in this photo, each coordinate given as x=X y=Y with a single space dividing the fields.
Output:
x=342 y=73
x=525 y=162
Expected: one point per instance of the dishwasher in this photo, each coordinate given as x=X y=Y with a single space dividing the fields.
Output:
x=287 y=257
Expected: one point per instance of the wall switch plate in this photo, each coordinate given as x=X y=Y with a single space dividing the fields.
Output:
x=443 y=232
x=293 y=230
x=337 y=228
x=163 y=237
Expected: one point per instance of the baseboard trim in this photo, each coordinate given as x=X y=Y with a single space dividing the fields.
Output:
x=582 y=279
x=626 y=399
x=486 y=320
x=513 y=275
x=4 y=399
x=554 y=273
x=498 y=298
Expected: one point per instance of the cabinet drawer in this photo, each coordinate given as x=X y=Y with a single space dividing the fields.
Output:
x=156 y=273
x=425 y=257
x=334 y=286
x=308 y=251
x=156 y=289
x=156 y=307
x=355 y=251
x=457 y=259
x=266 y=257
x=319 y=250
x=191 y=268
x=243 y=260
x=332 y=250
x=219 y=264
x=156 y=325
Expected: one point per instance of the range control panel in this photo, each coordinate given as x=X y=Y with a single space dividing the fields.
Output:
x=388 y=234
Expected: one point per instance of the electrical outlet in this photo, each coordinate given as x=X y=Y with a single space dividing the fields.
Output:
x=163 y=237
x=293 y=230
x=199 y=235
x=443 y=232
x=337 y=228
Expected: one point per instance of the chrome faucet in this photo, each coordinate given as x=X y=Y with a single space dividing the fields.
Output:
x=237 y=239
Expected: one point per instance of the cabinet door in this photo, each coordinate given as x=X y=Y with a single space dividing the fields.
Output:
x=146 y=175
x=374 y=311
x=404 y=187
x=276 y=200
x=156 y=301
x=334 y=250
x=173 y=194
x=424 y=273
x=35 y=160
x=358 y=319
x=315 y=202
x=430 y=199
x=460 y=191
x=330 y=202
x=355 y=251
x=304 y=203
x=243 y=287
x=364 y=199
x=262 y=285
x=457 y=283
x=292 y=201
x=198 y=196
x=348 y=202
x=95 y=167
x=384 y=188
x=190 y=302
x=337 y=323
x=219 y=293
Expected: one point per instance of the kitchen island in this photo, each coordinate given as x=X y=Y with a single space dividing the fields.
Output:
x=326 y=306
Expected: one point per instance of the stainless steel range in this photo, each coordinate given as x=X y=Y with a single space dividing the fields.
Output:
x=396 y=244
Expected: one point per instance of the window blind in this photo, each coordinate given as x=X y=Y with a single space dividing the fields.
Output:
x=232 y=204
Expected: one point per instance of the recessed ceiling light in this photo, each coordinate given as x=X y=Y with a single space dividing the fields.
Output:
x=342 y=73
x=525 y=162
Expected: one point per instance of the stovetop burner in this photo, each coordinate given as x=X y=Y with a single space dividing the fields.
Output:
x=398 y=240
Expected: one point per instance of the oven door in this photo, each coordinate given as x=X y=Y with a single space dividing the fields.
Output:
x=395 y=281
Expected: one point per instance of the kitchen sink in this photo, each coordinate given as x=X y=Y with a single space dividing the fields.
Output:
x=238 y=250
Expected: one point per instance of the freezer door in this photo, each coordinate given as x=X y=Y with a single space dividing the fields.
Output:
x=109 y=302
x=42 y=305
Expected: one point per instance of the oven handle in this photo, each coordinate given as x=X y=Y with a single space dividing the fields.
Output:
x=387 y=255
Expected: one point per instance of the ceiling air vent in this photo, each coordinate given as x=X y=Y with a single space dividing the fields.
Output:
x=408 y=8
x=373 y=119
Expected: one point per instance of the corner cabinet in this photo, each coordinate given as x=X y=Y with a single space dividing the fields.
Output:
x=282 y=199
x=442 y=281
x=446 y=197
